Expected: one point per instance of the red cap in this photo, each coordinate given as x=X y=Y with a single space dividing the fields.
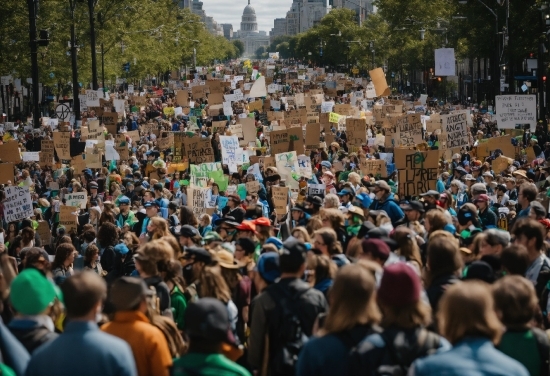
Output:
x=262 y=221
x=377 y=247
x=482 y=197
x=247 y=226
x=399 y=286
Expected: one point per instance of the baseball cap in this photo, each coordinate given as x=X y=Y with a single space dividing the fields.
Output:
x=212 y=236
x=315 y=200
x=127 y=292
x=377 y=247
x=364 y=199
x=31 y=292
x=482 y=198
x=382 y=184
x=293 y=252
x=275 y=241
x=262 y=221
x=431 y=192
x=151 y=204
x=121 y=248
x=199 y=253
x=268 y=266
x=93 y=185
x=227 y=219
x=399 y=286
x=246 y=226
x=123 y=201
x=346 y=192
x=412 y=205
x=326 y=164
x=188 y=231
x=208 y=319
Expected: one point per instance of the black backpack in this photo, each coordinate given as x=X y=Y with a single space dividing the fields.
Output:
x=286 y=335
x=427 y=343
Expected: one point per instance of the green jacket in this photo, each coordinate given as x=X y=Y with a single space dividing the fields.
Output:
x=207 y=365
x=179 y=305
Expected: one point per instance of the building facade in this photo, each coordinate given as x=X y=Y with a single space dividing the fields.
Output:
x=249 y=34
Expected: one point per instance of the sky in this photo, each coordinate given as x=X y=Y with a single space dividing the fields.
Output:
x=231 y=11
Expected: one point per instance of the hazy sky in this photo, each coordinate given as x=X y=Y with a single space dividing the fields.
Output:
x=231 y=11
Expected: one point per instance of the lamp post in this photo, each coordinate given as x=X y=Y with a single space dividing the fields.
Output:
x=74 y=51
x=91 y=9
x=32 y=4
x=495 y=76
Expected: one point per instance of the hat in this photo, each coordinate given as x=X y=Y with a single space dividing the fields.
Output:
x=189 y=231
x=480 y=270
x=151 y=204
x=465 y=214
x=461 y=170
x=468 y=177
x=123 y=201
x=456 y=156
x=208 y=319
x=478 y=188
x=377 y=247
x=127 y=292
x=431 y=192
x=412 y=205
x=235 y=197
x=326 y=164
x=275 y=241
x=357 y=211
x=521 y=173
x=227 y=219
x=346 y=192
x=482 y=198
x=247 y=226
x=297 y=207
x=268 y=266
x=226 y=260
x=315 y=200
x=381 y=184
x=212 y=236
x=31 y=292
x=121 y=249
x=200 y=254
x=364 y=199
x=93 y=185
x=262 y=221
x=488 y=174
x=399 y=286
x=293 y=252
x=43 y=202
x=328 y=173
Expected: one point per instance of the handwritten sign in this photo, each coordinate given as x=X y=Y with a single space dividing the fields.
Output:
x=375 y=167
x=31 y=156
x=68 y=217
x=62 y=144
x=417 y=171
x=9 y=152
x=280 y=199
x=78 y=199
x=18 y=204
x=455 y=129
x=512 y=110
x=229 y=145
x=6 y=173
x=47 y=153
x=356 y=131
x=199 y=150
x=408 y=129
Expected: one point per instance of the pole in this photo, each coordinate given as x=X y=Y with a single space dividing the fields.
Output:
x=102 y=67
x=540 y=74
x=496 y=68
x=92 y=43
x=34 y=64
x=76 y=101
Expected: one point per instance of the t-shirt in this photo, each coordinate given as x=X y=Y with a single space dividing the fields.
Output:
x=207 y=365
x=522 y=346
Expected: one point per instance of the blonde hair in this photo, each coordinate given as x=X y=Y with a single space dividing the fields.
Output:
x=157 y=254
x=334 y=216
x=332 y=200
x=354 y=178
x=467 y=309
x=213 y=285
x=352 y=300
x=408 y=247
x=161 y=228
x=303 y=232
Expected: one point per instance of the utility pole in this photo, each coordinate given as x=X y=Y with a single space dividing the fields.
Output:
x=32 y=5
x=91 y=7
x=74 y=50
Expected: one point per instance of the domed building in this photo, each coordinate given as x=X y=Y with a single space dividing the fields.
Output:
x=249 y=34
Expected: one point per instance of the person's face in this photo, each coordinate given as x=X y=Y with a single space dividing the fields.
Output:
x=522 y=240
x=296 y=215
x=40 y=264
x=430 y=200
x=481 y=205
x=224 y=231
x=148 y=196
x=320 y=244
x=127 y=240
x=239 y=253
x=151 y=227
x=93 y=191
x=70 y=258
x=379 y=193
x=509 y=185
x=532 y=214
x=151 y=211
x=95 y=256
x=124 y=208
x=487 y=249
x=412 y=215
x=344 y=199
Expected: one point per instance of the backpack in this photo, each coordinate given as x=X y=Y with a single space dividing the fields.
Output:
x=427 y=342
x=543 y=345
x=286 y=335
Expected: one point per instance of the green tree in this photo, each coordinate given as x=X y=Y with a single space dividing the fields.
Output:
x=239 y=45
x=260 y=52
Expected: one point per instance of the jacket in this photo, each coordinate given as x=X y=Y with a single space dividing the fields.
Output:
x=163 y=293
x=92 y=353
x=488 y=218
x=310 y=304
x=473 y=356
x=148 y=344
x=12 y=352
x=32 y=332
x=437 y=288
x=390 y=207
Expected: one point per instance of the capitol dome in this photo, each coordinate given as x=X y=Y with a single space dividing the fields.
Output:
x=248 y=20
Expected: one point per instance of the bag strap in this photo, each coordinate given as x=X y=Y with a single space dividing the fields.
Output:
x=395 y=357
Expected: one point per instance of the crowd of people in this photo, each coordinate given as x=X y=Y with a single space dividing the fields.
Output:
x=353 y=278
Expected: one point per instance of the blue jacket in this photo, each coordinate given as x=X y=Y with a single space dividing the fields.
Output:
x=13 y=353
x=473 y=356
x=390 y=207
x=83 y=350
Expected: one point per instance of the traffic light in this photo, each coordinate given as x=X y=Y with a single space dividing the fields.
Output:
x=44 y=38
x=544 y=79
x=126 y=67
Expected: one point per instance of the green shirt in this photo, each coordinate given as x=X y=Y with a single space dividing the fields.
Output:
x=207 y=365
x=522 y=346
x=179 y=304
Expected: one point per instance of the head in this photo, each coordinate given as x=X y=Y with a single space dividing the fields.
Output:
x=332 y=218
x=516 y=301
x=375 y=250
x=527 y=194
x=494 y=241
x=515 y=260
x=530 y=234
x=443 y=257
x=326 y=241
x=130 y=294
x=107 y=234
x=64 y=255
x=83 y=295
x=92 y=253
x=331 y=201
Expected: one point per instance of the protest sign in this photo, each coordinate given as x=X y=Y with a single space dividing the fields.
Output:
x=46 y=153
x=445 y=62
x=248 y=129
x=229 y=145
x=197 y=199
x=417 y=171
x=182 y=97
x=455 y=130
x=92 y=98
x=379 y=81
x=92 y=159
x=501 y=163
x=9 y=152
x=219 y=127
x=18 y=203
x=296 y=140
x=304 y=166
x=44 y=232
x=258 y=90
x=167 y=142
x=280 y=199
x=78 y=199
x=287 y=164
x=356 y=131
x=110 y=151
x=68 y=217
x=30 y=156
x=280 y=141
x=374 y=167
x=504 y=143
x=512 y=110
x=316 y=190
x=110 y=118
x=408 y=129
x=199 y=150
x=121 y=146
x=252 y=187
x=313 y=136
x=62 y=144
x=6 y=173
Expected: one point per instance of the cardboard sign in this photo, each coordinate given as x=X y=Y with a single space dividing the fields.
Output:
x=280 y=199
x=501 y=163
x=504 y=143
x=182 y=98
x=379 y=81
x=248 y=129
x=219 y=127
x=44 y=232
x=199 y=150
x=46 y=153
x=374 y=167
x=166 y=142
x=455 y=130
x=6 y=173
x=121 y=146
x=30 y=156
x=18 y=203
x=417 y=171
x=92 y=160
x=197 y=199
x=296 y=140
x=78 y=199
x=256 y=106
x=356 y=131
x=280 y=141
x=68 y=217
x=252 y=187
x=62 y=142
x=313 y=135
x=408 y=129
x=9 y=152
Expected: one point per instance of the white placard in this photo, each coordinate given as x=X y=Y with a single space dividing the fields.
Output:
x=512 y=110
x=227 y=109
x=445 y=62
x=92 y=98
x=370 y=91
x=30 y=156
x=110 y=153
x=18 y=204
x=77 y=199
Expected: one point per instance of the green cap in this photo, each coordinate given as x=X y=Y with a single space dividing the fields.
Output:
x=212 y=236
x=31 y=292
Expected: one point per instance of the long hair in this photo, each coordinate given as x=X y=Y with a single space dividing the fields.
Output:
x=330 y=239
x=62 y=252
x=161 y=228
x=443 y=257
x=213 y=285
x=408 y=247
x=352 y=300
x=187 y=217
x=467 y=309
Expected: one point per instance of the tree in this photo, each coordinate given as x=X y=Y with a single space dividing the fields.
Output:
x=239 y=45
x=260 y=52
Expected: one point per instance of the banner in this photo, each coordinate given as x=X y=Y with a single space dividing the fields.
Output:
x=512 y=110
x=18 y=203
x=445 y=62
